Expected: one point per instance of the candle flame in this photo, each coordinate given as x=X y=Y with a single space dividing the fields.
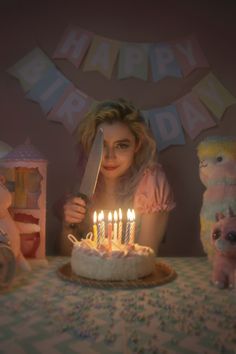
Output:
x=109 y=216
x=95 y=217
x=129 y=214
x=113 y=227
x=115 y=216
x=133 y=212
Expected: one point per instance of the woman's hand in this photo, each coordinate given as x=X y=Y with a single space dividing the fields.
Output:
x=74 y=210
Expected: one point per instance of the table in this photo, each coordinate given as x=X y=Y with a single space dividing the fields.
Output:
x=42 y=313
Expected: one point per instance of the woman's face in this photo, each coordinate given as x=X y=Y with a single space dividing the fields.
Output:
x=120 y=147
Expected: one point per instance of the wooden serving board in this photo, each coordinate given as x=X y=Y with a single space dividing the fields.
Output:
x=163 y=274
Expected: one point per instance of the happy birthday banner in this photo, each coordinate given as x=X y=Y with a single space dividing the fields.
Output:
x=175 y=58
x=62 y=102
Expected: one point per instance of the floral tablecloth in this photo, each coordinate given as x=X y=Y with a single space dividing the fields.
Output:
x=41 y=313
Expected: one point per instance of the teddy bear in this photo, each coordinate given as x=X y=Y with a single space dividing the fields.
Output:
x=13 y=228
x=217 y=170
x=223 y=238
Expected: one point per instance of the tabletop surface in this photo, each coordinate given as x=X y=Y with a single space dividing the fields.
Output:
x=42 y=313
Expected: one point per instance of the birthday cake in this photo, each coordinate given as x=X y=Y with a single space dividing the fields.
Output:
x=111 y=262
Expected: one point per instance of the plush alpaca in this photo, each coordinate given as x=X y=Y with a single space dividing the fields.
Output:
x=12 y=228
x=223 y=238
x=217 y=169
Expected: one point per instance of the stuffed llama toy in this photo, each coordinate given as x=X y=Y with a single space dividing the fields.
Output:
x=217 y=169
x=12 y=228
x=223 y=238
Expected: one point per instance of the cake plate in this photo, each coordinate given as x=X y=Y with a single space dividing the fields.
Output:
x=162 y=274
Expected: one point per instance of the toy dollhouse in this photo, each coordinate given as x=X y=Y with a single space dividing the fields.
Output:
x=26 y=173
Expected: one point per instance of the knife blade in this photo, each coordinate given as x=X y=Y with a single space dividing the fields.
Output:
x=89 y=179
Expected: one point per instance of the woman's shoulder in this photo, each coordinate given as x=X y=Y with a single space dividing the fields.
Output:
x=153 y=173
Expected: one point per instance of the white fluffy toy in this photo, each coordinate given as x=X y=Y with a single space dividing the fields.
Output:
x=12 y=228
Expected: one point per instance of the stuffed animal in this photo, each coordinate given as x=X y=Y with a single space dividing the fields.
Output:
x=223 y=238
x=217 y=169
x=12 y=228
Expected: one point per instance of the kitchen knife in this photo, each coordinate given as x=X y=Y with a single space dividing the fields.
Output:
x=89 y=180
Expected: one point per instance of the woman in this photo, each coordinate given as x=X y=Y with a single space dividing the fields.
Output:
x=130 y=176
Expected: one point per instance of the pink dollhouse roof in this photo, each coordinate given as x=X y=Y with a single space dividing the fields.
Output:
x=24 y=152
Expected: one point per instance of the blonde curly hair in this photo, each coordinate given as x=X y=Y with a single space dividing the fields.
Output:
x=111 y=111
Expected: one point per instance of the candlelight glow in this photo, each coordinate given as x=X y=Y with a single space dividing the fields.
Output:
x=100 y=217
x=129 y=214
x=109 y=230
x=120 y=229
x=133 y=212
x=112 y=228
x=95 y=217
x=96 y=232
x=132 y=227
x=110 y=216
x=115 y=226
x=102 y=225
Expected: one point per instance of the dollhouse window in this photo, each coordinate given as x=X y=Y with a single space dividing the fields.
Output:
x=25 y=185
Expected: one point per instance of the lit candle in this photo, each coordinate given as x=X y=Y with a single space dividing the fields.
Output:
x=127 y=231
x=109 y=229
x=95 y=228
x=115 y=225
x=120 y=226
x=102 y=227
x=132 y=227
x=99 y=230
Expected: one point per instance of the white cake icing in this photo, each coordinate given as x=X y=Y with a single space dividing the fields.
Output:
x=120 y=262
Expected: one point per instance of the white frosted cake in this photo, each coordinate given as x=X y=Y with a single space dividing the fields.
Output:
x=117 y=262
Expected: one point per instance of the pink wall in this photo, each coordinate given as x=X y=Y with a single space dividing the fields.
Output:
x=27 y=24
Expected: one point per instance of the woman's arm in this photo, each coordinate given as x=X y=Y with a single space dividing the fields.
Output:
x=74 y=210
x=74 y=222
x=153 y=227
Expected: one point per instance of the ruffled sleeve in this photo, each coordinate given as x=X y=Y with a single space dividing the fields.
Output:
x=153 y=192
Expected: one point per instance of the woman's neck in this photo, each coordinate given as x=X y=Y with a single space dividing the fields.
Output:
x=110 y=186
x=107 y=198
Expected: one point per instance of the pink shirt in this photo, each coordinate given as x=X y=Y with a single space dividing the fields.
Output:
x=153 y=192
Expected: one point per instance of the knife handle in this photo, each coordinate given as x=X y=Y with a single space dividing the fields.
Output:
x=86 y=199
x=83 y=196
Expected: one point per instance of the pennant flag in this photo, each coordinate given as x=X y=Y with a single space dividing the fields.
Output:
x=64 y=103
x=73 y=45
x=163 y=62
x=189 y=55
x=194 y=115
x=48 y=90
x=133 y=61
x=71 y=108
x=102 y=56
x=166 y=127
x=145 y=115
x=31 y=68
x=213 y=94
